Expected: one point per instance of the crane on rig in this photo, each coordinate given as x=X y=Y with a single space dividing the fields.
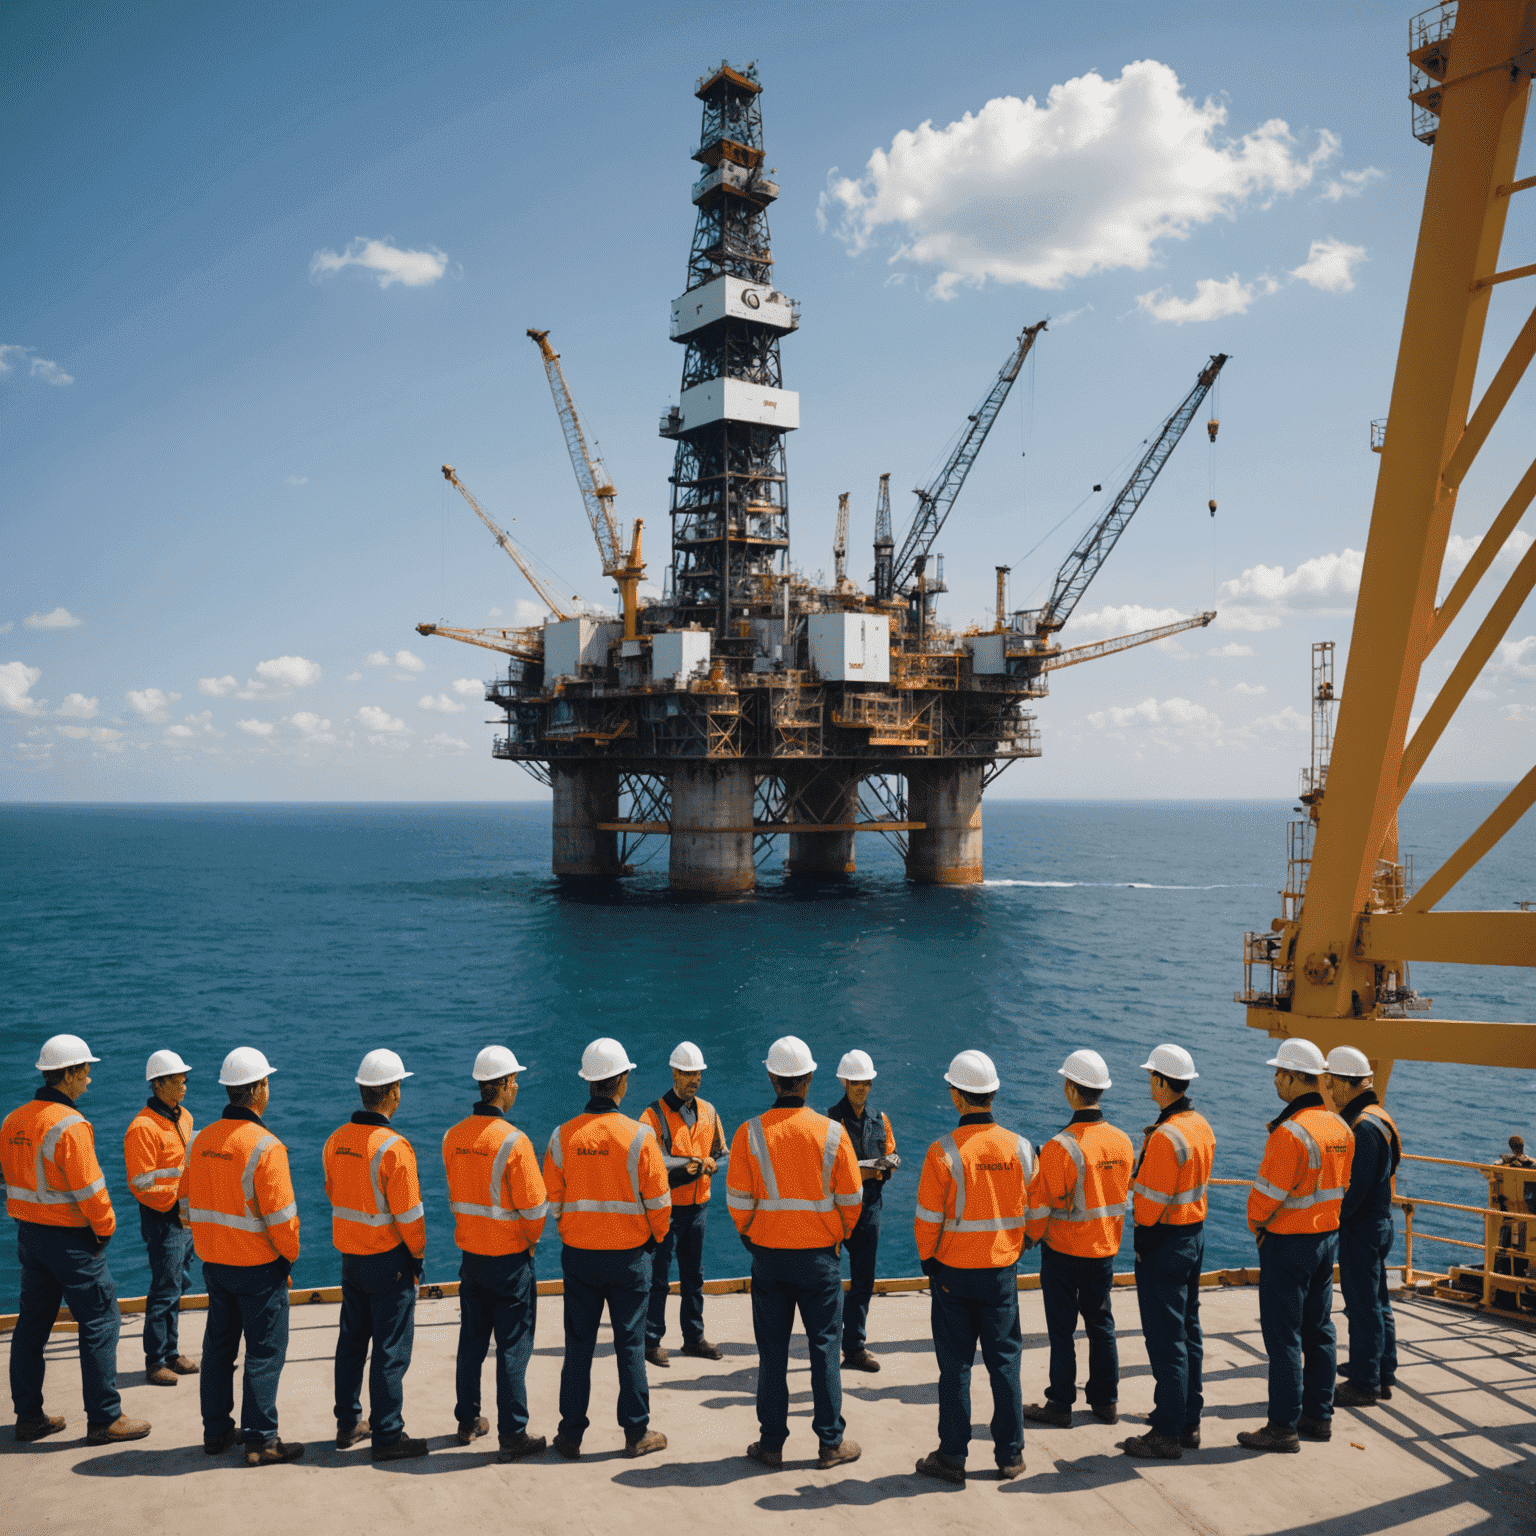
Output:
x=510 y=642
x=885 y=545
x=597 y=492
x=508 y=544
x=840 y=547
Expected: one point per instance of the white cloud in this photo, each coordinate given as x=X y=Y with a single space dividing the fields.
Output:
x=13 y=357
x=1288 y=719
x=255 y=727
x=408 y=664
x=101 y=733
x=1264 y=595
x=466 y=687
x=1253 y=689
x=1329 y=265
x=444 y=742
x=193 y=725
x=1092 y=181
x=1517 y=657
x=1123 y=619
x=380 y=721
x=7 y=627
x=1351 y=183
x=1180 y=714
x=217 y=687
x=441 y=703
x=153 y=704
x=353 y=677
x=311 y=728
x=1231 y=648
x=16 y=680
x=525 y=612
x=285 y=673
x=413 y=269
x=297 y=480
x=1057 y=321
x=1214 y=299
x=1459 y=550
x=60 y=618
x=77 y=707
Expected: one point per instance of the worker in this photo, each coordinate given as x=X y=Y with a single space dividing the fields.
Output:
x=155 y=1152
x=608 y=1194
x=972 y=1202
x=1516 y=1156
x=794 y=1192
x=1171 y=1179
x=237 y=1195
x=692 y=1141
x=1077 y=1210
x=874 y=1145
x=57 y=1196
x=379 y=1227
x=1293 y=1213
x=1366 y=1234
x=496 y=1194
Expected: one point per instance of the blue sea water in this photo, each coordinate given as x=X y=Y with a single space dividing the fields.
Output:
x=319 y=932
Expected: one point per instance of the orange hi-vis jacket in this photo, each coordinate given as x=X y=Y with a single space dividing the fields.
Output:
x=370 y=1180
x=155 y=1152
x=704 y=1138
x=237 y=1194
x=48 y=1158
x=1077 y=1196
x=1305 y=1170
x=1173 y=1173
x=793 y=1179
x=973 y=1196
x=495 y=1189
x=607 y=1182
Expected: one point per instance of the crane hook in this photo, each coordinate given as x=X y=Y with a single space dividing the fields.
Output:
x=1212 y=505
x=1212 y=426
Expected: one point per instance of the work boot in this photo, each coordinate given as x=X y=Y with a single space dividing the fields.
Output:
x=118 y=1430
x=216 y=1445
x=347 y=1438
x=836 y=1455
x=860 y=1360
x=402 y=1450
x=938 y=1465
x=1348 y=1395
x=570 y=1449
x=273 y=1455
x=1271 y=1438
x=1013 y=1469
x=468 y=1432
x=1153 y=1447
x=1190 y=1439
x=36 y=1425
x=161 y=1376
x=1105 y=1413
x=644 y=1443
x=1386 y=1391
x=702 y=1349
x=656 y=1355
x=1048 y=1413
x=183 y=1366
x=1314 y=1429
x=515 y=1447
x=768 y=1455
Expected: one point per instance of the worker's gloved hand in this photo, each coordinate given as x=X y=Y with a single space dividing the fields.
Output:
x=418 y=1265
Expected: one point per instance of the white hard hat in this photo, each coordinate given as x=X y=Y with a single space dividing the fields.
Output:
x=972 y=1072
x=687 y=1058
x=380 y=1069
x=164 y=1064
x=1299 y=1056
x=603 y=1059
x=494 y=1063
x=63 y=1051
x=1346 y=1061
x=245 y=1064
x=789 y=1056
x=1171 y=1061
x=1086 y=1069
x=856 y=1067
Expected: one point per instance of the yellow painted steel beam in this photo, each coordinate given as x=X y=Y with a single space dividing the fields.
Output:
x=1483 y=556
x=1455 y=938
x=1470 y=1042
x=1495 y=398
x=1508 y=811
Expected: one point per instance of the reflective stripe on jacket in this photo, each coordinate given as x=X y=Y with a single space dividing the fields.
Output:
x=1174 y=1171
x=1304 y=1173
x=972 y=1197
x=793 y=1180
x=155 y=1152
x=607 y=1182
x=371 y=1182
x=1078 y=1194
x=237 y=1195
x=48 y=1157
x=677 y=1139
x=495 y=1190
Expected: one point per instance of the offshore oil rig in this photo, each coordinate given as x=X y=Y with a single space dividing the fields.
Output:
x=749 y=702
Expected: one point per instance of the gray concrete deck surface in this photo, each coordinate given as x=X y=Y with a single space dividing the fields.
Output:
x=1454 y=1451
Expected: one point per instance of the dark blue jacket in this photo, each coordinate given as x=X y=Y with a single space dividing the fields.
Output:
x=867 y=1133
x=1377 y=1154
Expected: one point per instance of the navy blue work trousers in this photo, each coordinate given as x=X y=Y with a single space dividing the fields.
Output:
x=972 y=1306
x=862 y=1244
x=619 y=1278
x=378 y=1304
x=1364 y=1247
x=65 y=1265
x=1168 y=1297
x=497 y=1296
x=812 y=1280
x=249 y=1301
x=685 y=1238
x=1069 y=1287
x=169 y=1247
x=1295 y=1316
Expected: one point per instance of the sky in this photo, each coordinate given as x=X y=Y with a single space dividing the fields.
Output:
x=269 y=266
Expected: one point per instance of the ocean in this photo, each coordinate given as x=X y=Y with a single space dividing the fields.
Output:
x=319 y=932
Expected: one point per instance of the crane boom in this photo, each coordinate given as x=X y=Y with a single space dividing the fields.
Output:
x=507 y=544
x=885 y=545
x=489 y=639
x=935 y=499
x=1083 y=564
x=1077 y=653
x=840 y=543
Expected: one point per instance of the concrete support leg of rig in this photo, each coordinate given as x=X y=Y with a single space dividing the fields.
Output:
x=827 y=799
x=948 y=799
x=585 y=794
x=712 y=830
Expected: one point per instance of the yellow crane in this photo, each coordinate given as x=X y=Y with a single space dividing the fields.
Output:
x=510 y=642
x=624 y=568
x=840 y=547
x=506 y=542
